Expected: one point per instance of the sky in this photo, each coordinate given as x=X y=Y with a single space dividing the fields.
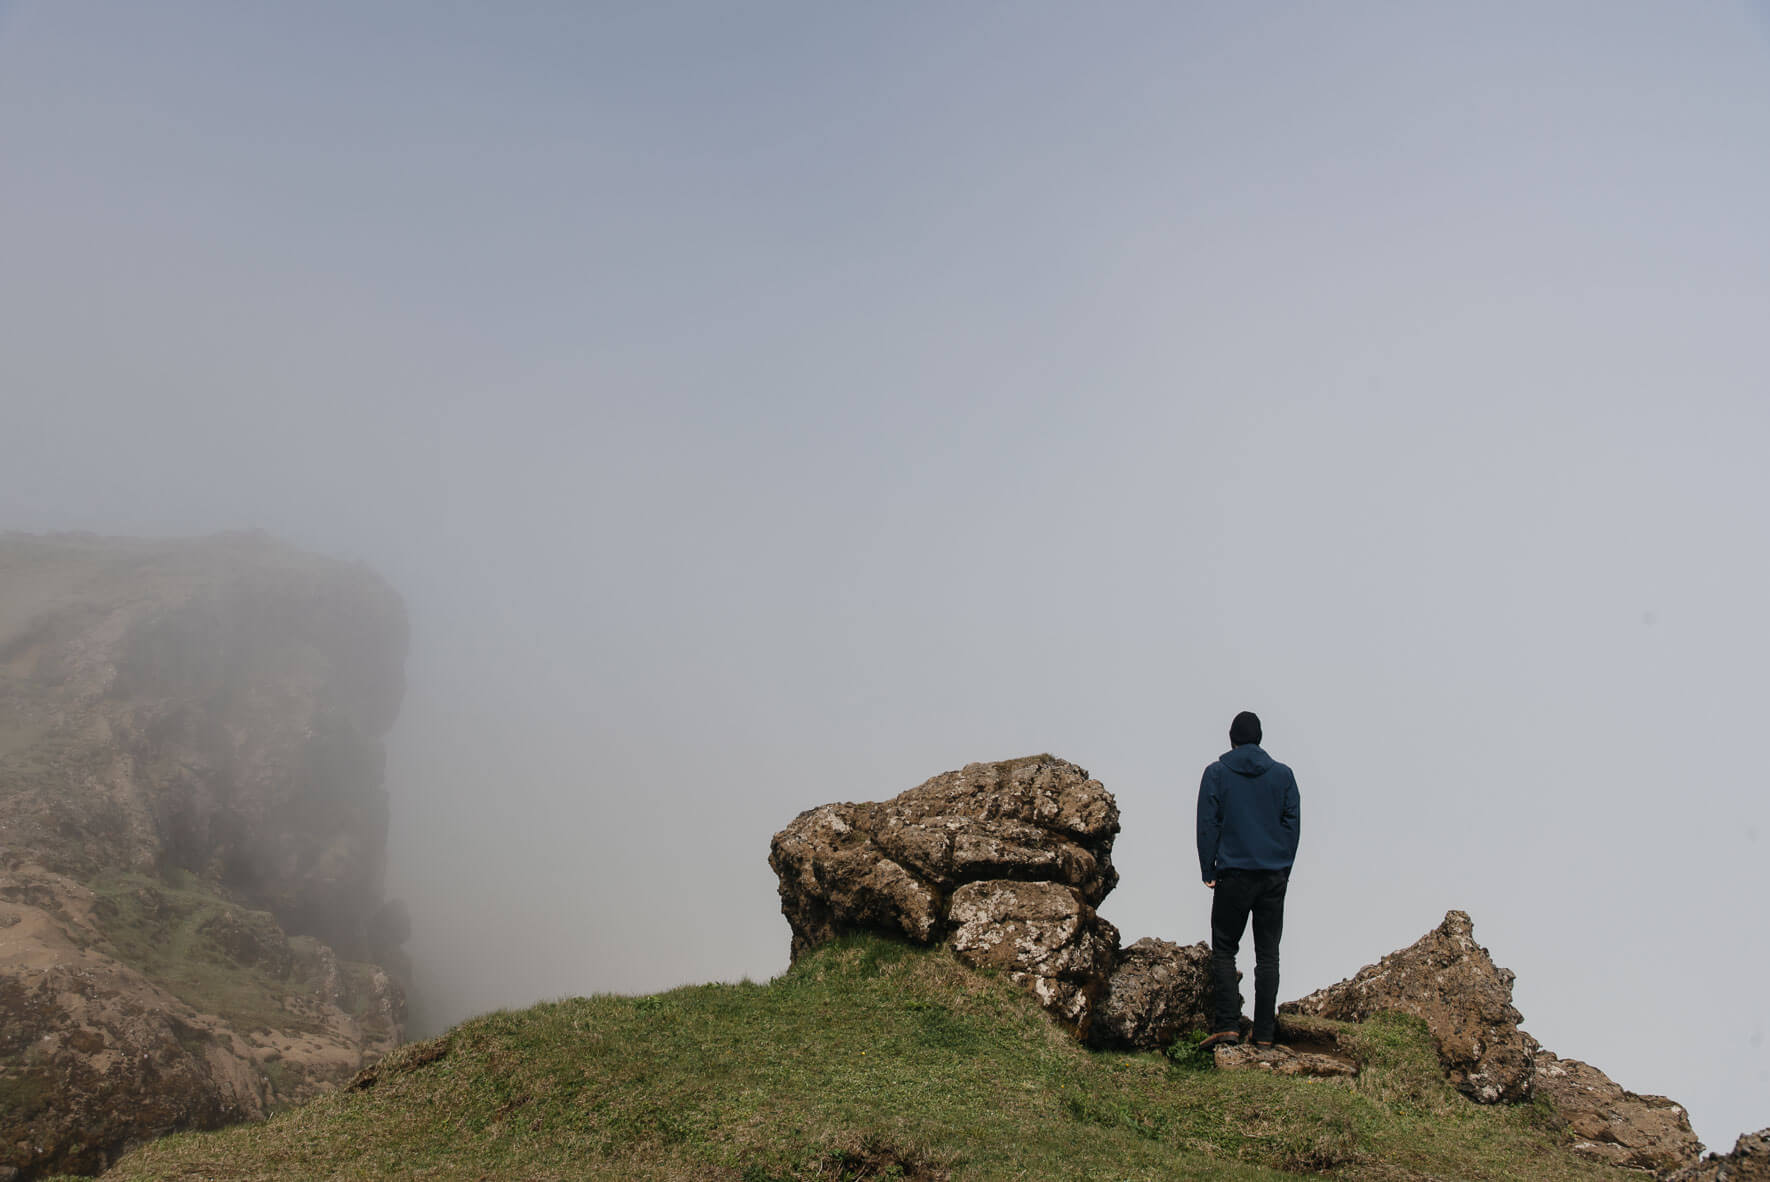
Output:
x=772 y=404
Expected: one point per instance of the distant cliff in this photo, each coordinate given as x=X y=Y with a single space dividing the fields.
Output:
x=192 y=836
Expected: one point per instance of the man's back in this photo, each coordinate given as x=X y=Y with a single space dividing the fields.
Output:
x=1249 y=819
x=1249 y=813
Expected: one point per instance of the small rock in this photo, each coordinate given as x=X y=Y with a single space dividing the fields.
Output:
x=1158 y=991
x=1281 y=1060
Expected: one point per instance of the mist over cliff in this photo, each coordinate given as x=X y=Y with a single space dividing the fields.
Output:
x=193 y=830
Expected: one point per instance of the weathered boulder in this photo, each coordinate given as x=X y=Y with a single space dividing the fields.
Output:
x=192 y=836
x=1006 y=861
x=1749 y=1162
x=1450 y=982
x=1158 y=991
x=1610 y=1124
x=1042 y=934
x=835 y=879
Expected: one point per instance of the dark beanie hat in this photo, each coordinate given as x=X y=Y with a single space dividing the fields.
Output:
x=1245 y=729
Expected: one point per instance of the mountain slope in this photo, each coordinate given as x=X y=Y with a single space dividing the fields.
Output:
x=867 y=1059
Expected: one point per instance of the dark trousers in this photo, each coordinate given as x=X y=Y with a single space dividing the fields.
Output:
x=1239 y=894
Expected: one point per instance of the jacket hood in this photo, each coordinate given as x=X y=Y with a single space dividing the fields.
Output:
x=1246 y=760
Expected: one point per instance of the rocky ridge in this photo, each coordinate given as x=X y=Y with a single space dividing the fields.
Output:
x=1006 y=863
x=192 y=830
x=1450 y=981
x=1749 y=1162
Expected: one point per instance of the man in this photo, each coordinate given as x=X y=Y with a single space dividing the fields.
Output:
x=1249 y=816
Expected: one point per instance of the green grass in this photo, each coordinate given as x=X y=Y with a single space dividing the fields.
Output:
x=865 y=1060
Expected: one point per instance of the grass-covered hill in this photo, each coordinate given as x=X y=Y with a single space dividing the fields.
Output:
x=866 y=1060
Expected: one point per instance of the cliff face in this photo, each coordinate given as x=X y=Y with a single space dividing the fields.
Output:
x=192 y=836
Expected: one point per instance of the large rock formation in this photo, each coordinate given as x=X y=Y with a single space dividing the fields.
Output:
x=1448 y=980
x=1005 y=861
x=1612 y=1125
x=192 y=833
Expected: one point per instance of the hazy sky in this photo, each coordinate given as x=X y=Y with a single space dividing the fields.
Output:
x=761 y=405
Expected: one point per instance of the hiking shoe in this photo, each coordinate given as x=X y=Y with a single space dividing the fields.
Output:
x=1223 y=1038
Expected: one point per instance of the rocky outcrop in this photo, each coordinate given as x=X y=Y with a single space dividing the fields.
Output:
x=1004 y=861
x=1449 y=981
x=1158 y=991
x=1749 y=1162
x=192 y=834
x=1612 y=1125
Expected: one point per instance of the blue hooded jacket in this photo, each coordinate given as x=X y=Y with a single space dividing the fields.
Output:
x=1249 y=814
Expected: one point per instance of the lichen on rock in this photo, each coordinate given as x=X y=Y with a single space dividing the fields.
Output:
x=1042 y=934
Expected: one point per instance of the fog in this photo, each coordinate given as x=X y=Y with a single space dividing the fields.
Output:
x=766 y=405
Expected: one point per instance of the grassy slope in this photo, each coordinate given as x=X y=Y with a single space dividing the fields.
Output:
x=866 y=1058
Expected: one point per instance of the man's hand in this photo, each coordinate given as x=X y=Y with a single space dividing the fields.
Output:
x=1212 y=884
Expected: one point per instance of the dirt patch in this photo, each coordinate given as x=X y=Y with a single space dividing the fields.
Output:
x=1306 y=1048
x=872 y=1158
x=1317 y=1042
